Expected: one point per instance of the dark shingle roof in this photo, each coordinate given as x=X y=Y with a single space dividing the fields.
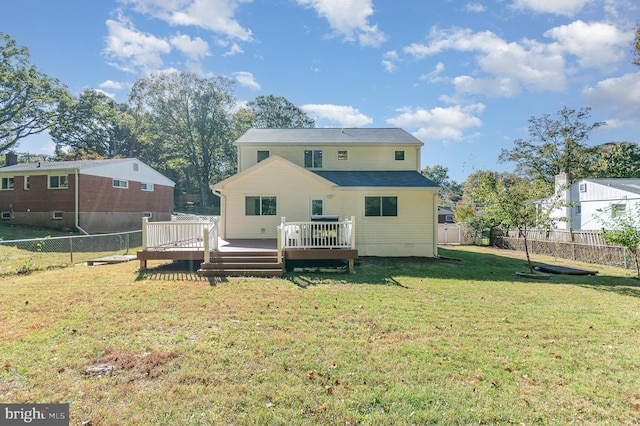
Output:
x=388 y=136
x=391 y=179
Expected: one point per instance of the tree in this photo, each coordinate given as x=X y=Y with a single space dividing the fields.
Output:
x=508 y=201
x=623 y=229
x=94 y=123
x=451 y=191
x=277 y=112
x=615 y=160
x=194 y=119
x=554 y=145
x=28 y=98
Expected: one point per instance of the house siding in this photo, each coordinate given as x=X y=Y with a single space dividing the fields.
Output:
x=359 y=157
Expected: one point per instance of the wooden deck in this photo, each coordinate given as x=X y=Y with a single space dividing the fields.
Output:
x=246 y=248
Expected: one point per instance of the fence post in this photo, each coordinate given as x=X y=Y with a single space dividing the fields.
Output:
x=145 y=220
x=71 y=248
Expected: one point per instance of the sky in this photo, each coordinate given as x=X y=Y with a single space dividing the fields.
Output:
x=464 y=77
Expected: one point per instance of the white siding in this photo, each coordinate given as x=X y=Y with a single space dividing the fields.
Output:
x=367 y=157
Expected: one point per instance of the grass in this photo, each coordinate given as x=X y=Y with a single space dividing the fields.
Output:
x=19 y=232
x=402 y=341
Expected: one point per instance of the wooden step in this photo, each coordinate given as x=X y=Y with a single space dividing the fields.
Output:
x=242 y=264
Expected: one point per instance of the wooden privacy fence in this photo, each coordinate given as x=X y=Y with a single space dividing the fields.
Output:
x=583 y=246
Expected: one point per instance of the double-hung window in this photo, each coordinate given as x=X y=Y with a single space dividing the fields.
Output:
x=146 y=187
x=119 y=183
x=381 y=206
x=7 y=183
x=260 y=206
x=58 y=182
x=313 y=159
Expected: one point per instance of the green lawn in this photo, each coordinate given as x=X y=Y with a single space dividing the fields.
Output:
x=19 y=232
x=402 y=341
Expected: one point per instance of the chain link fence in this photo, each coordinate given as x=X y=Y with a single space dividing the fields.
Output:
x=24 y=256
x=589 y=253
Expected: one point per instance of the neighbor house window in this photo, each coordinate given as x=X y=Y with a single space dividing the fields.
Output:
x=135 y=167
x=343 y=155
x=583 y=187
x=578 y=209
x=381 y=206
x=118 y=183
x=146 y=186
x=56 y=215
x=262 y=155
x=6 y=215
x=148 y=215
x=617 y=210
x=313 y=159
x=27 y=182
x=7 y=183
x=399 y=155
x=58 y=182
x=260 y=206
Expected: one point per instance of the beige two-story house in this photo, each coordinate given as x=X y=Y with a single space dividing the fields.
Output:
x=370 y=175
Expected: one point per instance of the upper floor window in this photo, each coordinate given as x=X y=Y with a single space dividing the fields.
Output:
x=343 y=155
x=146 y=186
x=58 y=182
x=260 y=206
x=27 y=182
x=7 y=183
x=381 y=206
x=618 y=210
x=262 y=155
x=399 y=155
x=118 y=183
x=313 y=159
x=583 y=187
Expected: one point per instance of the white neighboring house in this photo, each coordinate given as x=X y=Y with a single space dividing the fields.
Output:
x=588 y=201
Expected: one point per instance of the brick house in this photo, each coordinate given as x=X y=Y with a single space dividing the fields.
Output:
x=94 y=196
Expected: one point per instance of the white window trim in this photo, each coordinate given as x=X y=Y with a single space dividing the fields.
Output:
x=8 y=179
x=27 y=183
x=57 y=187
x=147 y=214
x=120 y=181
x=6 y=215
x=143 y=184
x=346 y=153
x=57 y=215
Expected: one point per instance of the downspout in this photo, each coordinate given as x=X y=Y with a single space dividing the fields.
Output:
x=78 y=205
x=435 y=224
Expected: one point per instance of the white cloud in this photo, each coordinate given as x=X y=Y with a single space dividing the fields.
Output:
x=130 y=50
x=439 y=123
x=344 y=116
x=213 y=15
x=508 y=65
x=474 y=7
x=247 y=79
x=235 y=49
x=195 y=49
x=434 y=76
x=349 y=19
x=595 y=44
x=620 y=93
x=556 y=7
x=389 y=60
x=110 y=84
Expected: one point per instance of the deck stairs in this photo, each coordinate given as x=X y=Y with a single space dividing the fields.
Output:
x=263 y=263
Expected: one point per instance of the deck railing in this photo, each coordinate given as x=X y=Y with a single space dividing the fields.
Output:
x=317 y=235
x=183 y=234
x=211 y=234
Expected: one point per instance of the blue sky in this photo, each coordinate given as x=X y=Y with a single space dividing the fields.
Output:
x=462 y=76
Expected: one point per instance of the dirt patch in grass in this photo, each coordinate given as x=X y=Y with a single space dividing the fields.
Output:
x=137 y=365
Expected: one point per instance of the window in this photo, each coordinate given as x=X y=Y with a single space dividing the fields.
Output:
x=343 y=155
x=118 y=183
x=135 y=167
x=56 y=215
x=6 y=215
x=7 y=183
x=148 y=215
x=58 y=182
x=583 y=187
x=617 y=210
x=381 y=206
x=262 y=155
x=27 y=183
x=313 y=159
x=578 y=208
x=317 y=207
x=399 y=155
x=146 y=186
x=260 y=206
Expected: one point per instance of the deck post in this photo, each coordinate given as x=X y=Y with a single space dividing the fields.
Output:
x=353 y=233
x=145 y=220
x=207 y=253
x=280 y=237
